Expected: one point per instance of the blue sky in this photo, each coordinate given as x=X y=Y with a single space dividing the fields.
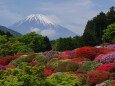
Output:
x=72 y=14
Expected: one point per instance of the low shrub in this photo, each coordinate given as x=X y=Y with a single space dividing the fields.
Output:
x=97 y=76
x=30 y=57
x=88 y=52
x=64 y=79
x=111 y=46
x=80 y=59
x=17 y=61
x=55 y=62
x=67 y=66
x=108 y=58
x=27 y=76
x=9 y=58
x=105 y=67
x=3 y=62
x=89 y=66
x=40 y=59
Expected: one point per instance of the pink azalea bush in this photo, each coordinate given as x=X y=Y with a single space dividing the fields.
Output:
x=107 y=58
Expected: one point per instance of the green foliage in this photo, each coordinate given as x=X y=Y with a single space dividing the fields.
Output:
x=10 y=48
x=35 y=41
x=109 y=34
x=64 y=79
x=25 y=49
x=27 y=76
x=89 y=66
x=77 y=41
x=40 y=59
x=55 y=64
x=111 y=16
x=94 y=28
x=109 y=82
x=30 y=57
x=63 y=44
x=17 y=61
x=3 y=39
x=67 y=66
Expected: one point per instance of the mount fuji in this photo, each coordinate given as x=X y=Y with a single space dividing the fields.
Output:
x=42 y=25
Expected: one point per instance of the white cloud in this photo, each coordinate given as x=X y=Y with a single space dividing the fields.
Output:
x=34 y=30
x=8 y=15
x=74 y=13
x=48 y=32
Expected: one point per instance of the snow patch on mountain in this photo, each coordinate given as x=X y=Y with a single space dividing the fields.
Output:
x=39 y=18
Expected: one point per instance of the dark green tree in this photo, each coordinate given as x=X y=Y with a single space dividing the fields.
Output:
x=63 y=44
x=47 y=44
x=111 y=16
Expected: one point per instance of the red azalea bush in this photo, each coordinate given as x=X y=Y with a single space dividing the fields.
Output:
x=48 y=70
x=3 y=62
x=63 y=56
x=106 y=51
x=70 y=53
x=79 y=73
x=105 y=67
x=80 y=59
x=97 y=76
x=113 y=84
x=88 y=52
x=34 y=63
x=9 y=58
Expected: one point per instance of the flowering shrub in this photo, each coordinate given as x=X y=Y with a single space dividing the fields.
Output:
x=80 y=59
x=51 y=54
x=2 y=67
x=63 y=56
x=88 y=52
x=70 y=53
x=108 y=58
x=48 y=70
x=67 y=66
x=34 y=63
x=79 y=73
x=106 y=51
x=105 y=67
x=111 y=46
x=98 y=76
x=113 y=84
x=3 y=62
x=10 y=58
x=97 y=58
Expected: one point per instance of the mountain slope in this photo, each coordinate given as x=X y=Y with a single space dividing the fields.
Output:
x=5 y=29
x=42 y=25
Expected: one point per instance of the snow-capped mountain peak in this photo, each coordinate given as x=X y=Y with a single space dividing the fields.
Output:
x=43 y=25
x=40 y=19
